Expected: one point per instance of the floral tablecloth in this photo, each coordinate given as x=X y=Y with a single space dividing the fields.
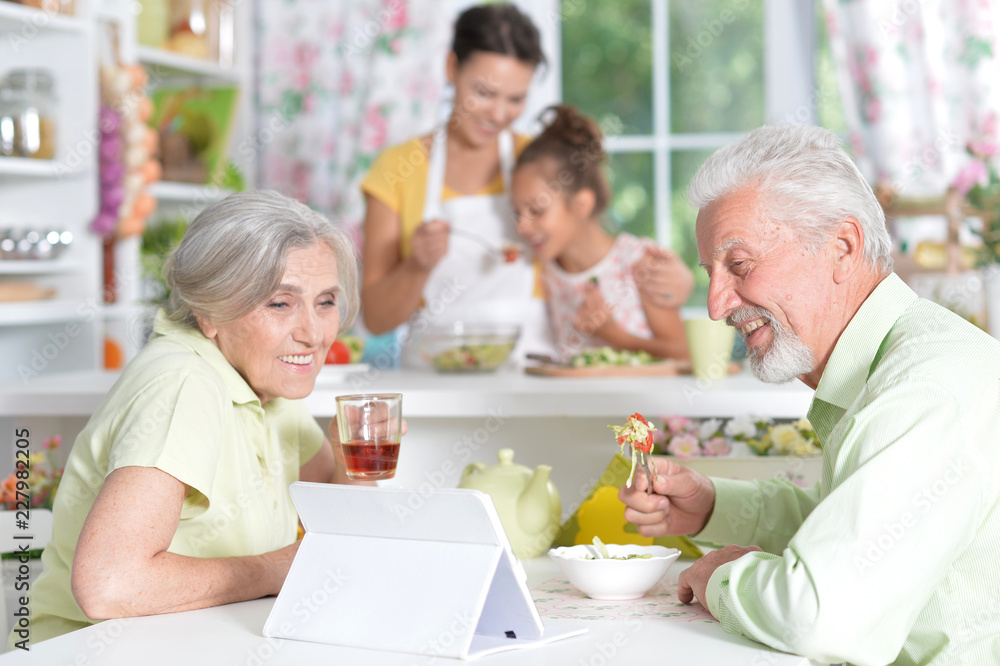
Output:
x=556 y=598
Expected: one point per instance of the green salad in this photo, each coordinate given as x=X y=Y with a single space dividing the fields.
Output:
x=467 y=358
x=605 y=555
x=606 y=356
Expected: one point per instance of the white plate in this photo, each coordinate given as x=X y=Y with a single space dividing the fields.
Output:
x=335 y=373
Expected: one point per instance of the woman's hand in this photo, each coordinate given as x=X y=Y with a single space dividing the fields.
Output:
x=681 y=503
x=662 y=278
x=122 y=568
x=430 y=243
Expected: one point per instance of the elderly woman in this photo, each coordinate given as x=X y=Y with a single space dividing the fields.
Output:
x=175 y=496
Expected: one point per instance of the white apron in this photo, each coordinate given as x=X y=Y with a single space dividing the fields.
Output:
x=471 y=283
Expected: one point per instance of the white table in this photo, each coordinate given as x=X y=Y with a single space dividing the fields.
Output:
x=231 y=635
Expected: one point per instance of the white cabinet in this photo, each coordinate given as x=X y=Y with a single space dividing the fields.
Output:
x=62 y=332
x=66 y=331
x=170 y=69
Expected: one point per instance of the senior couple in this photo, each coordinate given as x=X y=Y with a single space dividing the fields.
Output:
x=907 y=399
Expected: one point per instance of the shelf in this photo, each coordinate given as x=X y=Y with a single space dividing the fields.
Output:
x=174 y=64
x=37 y=267
x=26 y=166
x=110 y=311
x=187 y=192
x=32 y=313
x=13 y=17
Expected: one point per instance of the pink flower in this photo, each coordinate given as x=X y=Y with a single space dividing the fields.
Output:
x=873 y=109
x=717 y=446
x=857 y=144
x=973 y=173
x=832 y=26
x=398 y=17
x=376 y=130
x=984 y=148
x=990 y=125
x=684 y=446
x=678 y=424
x=306 y=55
x=53 y=442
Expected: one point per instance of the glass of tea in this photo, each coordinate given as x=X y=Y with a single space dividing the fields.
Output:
x=369 y=427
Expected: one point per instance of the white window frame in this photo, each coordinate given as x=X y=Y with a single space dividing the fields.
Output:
x=789 y=92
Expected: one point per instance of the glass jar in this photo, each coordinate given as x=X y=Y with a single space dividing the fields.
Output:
x=9 y=113
x=28 y=114
x=52 y=6
x=153 y=24
x=189 y=28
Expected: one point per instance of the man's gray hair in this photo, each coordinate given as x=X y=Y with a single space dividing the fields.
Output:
x=233 y=256
x=804 y=178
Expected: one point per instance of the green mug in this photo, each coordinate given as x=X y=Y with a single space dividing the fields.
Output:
x=711 y=346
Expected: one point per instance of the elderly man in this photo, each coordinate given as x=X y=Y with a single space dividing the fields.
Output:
x=892 y=557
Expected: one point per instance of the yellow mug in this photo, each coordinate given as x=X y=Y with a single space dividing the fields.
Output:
x=711 y=346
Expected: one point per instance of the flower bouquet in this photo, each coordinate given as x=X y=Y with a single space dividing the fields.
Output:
x=42 y=479
x=788 y=439
x=979 y=183
x=686 y=438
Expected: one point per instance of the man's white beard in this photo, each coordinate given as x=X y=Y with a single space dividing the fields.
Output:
x=785 y=359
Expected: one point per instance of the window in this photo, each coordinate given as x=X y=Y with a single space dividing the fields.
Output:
x=673 y=80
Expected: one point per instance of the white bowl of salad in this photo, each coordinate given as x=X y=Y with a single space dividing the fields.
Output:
x=625 y=571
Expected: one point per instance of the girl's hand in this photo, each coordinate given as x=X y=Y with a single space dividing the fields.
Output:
x=594 y=314
x=430 y=243
x=662 y=278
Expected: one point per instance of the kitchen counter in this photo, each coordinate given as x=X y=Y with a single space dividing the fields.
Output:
x=457 y=419
x=435 y=395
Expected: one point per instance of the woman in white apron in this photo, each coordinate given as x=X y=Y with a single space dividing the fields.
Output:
x=440 y=262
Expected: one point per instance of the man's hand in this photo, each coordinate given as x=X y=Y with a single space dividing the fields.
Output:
x=693 y=581
x=430 y=243
x=681 y=503
x=662 y=278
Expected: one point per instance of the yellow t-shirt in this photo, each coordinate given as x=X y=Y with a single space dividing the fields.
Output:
x=180 y=407
x=398 y=178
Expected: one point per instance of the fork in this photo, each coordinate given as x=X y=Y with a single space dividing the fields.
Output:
x=471 y=235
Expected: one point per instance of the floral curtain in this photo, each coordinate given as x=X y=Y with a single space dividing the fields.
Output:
x=920 y=80
x=338 y=82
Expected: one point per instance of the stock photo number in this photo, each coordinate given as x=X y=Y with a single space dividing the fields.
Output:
x=22 y=535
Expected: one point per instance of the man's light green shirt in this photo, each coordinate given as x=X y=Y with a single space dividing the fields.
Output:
x=180 y=407
x=894 y=557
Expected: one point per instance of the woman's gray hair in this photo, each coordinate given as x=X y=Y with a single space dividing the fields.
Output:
x=233 y=256
x=804 y=178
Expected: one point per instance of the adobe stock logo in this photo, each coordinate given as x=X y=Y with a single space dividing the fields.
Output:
x=923 y=501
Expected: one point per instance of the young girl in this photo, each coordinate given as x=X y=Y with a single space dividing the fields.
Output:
x=620 y=291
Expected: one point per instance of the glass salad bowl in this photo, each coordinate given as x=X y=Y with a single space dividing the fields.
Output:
x=468 y=347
